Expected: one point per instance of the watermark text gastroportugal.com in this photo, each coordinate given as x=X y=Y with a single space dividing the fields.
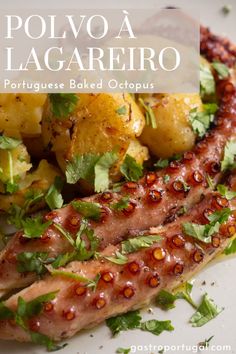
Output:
x=181 y=348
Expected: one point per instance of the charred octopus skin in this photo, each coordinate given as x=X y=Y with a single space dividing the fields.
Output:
x=163 y=265
x=152 y=201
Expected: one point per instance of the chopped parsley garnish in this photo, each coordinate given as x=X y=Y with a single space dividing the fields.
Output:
x=135 y=244
x=166 y=179
x=162 y=163
x=149 y=114
x=156 y=327
x=207 y=81
x=7 y=143
x=34 y=227
x=225 y=192
x=89 y=283
x=132 y=320
x=81 y=166
x=17 y=214
x=25 y=311
x=166 y=300
x=82 y=252
x=221 y=69
x=123 y=351
x=129 y=320
x=205 y=312
x=132 y=170
x=122 y=204
x=88 y=209
x=231 y=249
x=32 y=262
x=118 y=259
x=229 y=154
x=53 y=197
x=93 y=168
x=101 y=169
x=121 y=110
x=210 y=181
x=62 y=104
x=201 y=121
x=204 y=232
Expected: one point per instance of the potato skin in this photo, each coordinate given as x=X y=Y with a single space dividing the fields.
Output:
x=101 y=122
x=21 y=114
x=173 y=134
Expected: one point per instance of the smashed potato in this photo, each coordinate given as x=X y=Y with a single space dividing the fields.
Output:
x=100 y=123
x=173 y=134
x=39 y=181
x=14 y=165
x=21 y=114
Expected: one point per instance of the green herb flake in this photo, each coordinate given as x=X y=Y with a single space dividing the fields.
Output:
x=134 y=244
x=156 y=327
x=204 y=232
x=118 y=259
x=34 y=227
x=102 y=167
x=165 y=300
x=186 y=294
x=166 y=179
x=162 y=163
x=150 y=115
x=7 y=143
x=81 y=166
x=129 y=320
x=121 y=110
x=206 y=311
x=207 y=82
x=231 y=249
x=53 y=197
x=88 y=209
x=130 y=169
x=32 y=262
x=62 y=104
x=221 y=69
x=225 y=192
x=122 y=204
x=210 y=181
x=229 y=154
x=201 y=121
x=123 y=350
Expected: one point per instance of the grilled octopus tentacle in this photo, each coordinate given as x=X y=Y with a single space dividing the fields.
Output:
x=165 y=264
x=152 y=201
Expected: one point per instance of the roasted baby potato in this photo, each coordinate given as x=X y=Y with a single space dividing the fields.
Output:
x=173 y=133
x=21 y=114
x=13 y=165
x=100 y=123
x=37 y=181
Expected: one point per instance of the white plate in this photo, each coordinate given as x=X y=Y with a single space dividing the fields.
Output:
x=219 y=277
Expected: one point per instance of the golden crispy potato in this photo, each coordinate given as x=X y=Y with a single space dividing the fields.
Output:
x=100 y=123
x=21 y=114
x=13 y=164
x=39 y=181
x=173 y=134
